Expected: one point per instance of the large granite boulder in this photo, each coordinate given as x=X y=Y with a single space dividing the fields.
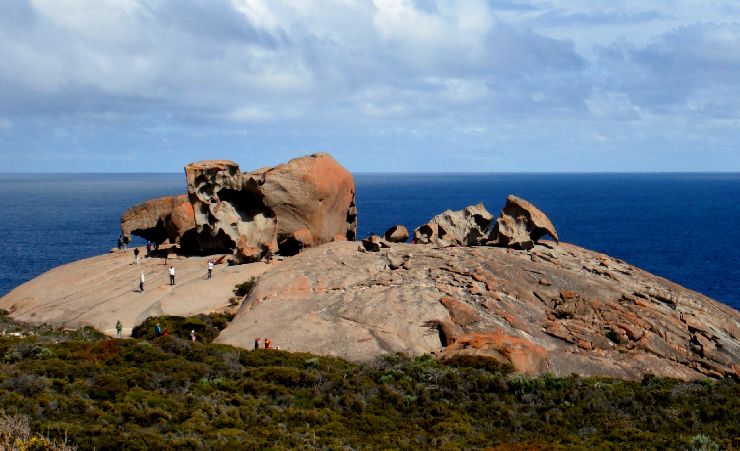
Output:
x=466 y=227
x=303 y=203
x=165 y=218
x=521 y=225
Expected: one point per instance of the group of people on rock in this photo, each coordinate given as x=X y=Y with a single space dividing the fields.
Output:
x=142 y=278
x=267 y=342
x=123 y=244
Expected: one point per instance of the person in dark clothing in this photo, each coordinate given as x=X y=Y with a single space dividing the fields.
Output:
x=120 y=242
x=148 y=248
x=256 y=343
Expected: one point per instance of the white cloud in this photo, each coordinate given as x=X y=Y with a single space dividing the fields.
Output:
x=434 y=66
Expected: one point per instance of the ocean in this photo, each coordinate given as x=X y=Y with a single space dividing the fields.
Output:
x=683 y=227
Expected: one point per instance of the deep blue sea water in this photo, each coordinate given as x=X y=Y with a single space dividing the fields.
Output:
x=680 y=226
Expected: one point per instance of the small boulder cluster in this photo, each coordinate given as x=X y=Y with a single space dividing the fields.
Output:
x=519 y=226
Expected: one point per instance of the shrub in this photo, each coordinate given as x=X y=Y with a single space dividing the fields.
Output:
x=26 y=349
x=701 y=442
x=15 y=434
x=206 y=327
x=243 y=289
x=480 y=362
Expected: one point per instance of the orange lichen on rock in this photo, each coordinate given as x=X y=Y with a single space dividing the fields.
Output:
x=460 y=314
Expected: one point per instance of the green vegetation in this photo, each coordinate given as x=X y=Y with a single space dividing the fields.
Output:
x=206 y=327
x=242 y=289
x=15 y=434
x=171 y=393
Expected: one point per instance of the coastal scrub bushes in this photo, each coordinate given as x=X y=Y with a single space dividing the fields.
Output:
x=206 y=327
x=243 y=289
x=171 y=393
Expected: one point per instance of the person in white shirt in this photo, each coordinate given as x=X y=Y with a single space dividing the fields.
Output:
x=141 y=282
x=172 y=275
x=210 y=268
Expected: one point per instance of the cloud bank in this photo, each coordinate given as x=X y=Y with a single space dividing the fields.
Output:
x=387 y=85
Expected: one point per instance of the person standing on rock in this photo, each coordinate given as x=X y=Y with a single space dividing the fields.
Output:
x=136 y=255
x=257 y=343
x=120 y=242
x=172 y=275
x=210 y=268
x=148 y=248
x=119 y=329
x=141 y=282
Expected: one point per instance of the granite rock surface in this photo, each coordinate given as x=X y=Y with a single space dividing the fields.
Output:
x=551 y=308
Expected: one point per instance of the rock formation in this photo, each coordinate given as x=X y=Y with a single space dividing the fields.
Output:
x=373 y=243
x=559 y=309
x=303 y=203
x=230 y=210
x=396 y=234
x=165 y=218
x=521 y=225
x=313 y=198
x=537 y=306
x=466 y=227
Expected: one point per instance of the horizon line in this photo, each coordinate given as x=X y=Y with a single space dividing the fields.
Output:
x=405 y=172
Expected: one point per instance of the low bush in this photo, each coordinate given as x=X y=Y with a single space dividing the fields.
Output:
x=206 y=327
x=243 y=289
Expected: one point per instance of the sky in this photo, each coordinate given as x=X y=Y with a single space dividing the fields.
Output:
x=382 y=85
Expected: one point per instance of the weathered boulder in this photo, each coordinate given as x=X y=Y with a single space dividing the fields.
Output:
x=314 y=200
x=165 y=218
x=303 y=203
x=230 y=210
x=521 y=225
x=466 y=227
x=396 y=234
x=525 y=356
x=373 y=243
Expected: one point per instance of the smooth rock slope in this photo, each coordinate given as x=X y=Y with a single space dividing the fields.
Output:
x=553 y=308
x=100 y=290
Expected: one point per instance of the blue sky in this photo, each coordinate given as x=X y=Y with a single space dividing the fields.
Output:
x=383 y=85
